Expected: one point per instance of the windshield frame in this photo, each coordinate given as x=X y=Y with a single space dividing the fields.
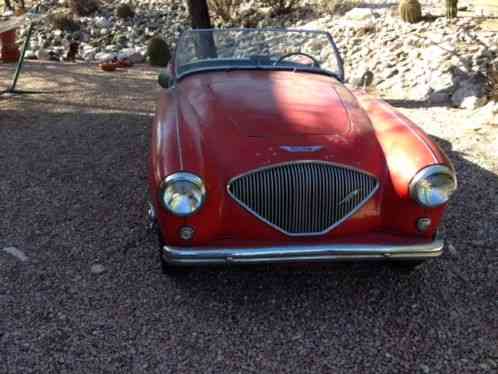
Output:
x=339 y=75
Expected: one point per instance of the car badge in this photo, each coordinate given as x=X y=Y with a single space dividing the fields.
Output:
x=350 y=196
x=301 y=149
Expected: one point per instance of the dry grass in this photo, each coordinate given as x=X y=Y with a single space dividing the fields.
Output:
x=227 y=10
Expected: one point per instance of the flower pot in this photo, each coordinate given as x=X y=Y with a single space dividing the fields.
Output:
x=9 y=52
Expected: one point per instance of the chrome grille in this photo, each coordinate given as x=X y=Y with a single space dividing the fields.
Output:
x=303 y=198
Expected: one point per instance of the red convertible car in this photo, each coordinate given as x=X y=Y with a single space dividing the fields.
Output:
x=261 y=154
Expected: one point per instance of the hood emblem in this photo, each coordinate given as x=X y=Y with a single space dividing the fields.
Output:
x=350 y=196
x=301 y=149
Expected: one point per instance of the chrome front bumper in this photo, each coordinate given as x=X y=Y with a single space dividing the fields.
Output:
x=300 y=253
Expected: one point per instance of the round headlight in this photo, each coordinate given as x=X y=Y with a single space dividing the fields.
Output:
x=183 y=193
x=433 y=186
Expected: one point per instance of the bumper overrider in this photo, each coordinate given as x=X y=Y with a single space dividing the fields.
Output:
x=300 y=253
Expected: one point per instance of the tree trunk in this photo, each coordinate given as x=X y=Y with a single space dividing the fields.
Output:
x=451 y=8
x=199 y=16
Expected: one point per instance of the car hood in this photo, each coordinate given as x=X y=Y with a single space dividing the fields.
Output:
x=237 y=121
x=279 y=107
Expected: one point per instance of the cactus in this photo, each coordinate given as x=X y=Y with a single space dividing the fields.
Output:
x=451 y=8
x=125 y=11
x=158 y=52
x=410 y=11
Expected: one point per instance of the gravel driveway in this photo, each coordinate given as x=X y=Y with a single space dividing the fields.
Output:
x=80 y=284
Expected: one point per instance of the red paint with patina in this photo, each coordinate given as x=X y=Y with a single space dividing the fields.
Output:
x=222 y=124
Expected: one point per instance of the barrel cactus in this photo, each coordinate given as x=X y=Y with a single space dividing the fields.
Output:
x=158 y=52
x=125 y=11
x=451 y=8
x=410 y=11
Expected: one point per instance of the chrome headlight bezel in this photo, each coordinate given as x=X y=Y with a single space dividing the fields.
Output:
x=182 y=177
x=424 y=175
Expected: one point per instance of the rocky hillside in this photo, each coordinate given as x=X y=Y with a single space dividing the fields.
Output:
x=435 y=61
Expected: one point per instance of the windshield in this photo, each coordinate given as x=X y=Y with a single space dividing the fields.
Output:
x=217 y=49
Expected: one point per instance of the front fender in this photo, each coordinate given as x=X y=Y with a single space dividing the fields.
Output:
x=407 y=150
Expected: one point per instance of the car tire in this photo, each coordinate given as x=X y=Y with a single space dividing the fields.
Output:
x=172 y=270
x=406 y=266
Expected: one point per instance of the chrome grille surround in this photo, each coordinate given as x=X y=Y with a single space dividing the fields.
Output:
x=282 y=196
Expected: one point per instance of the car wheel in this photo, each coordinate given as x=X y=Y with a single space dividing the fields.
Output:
x=406 y=266
x=172 y=270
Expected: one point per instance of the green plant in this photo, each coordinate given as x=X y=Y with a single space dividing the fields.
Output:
x=158 y=52
x=125 y=11
x=451 y=8
x=63 y=21
x=410 y=11
x=280 y=6
x=226 y=10
x=83 y=8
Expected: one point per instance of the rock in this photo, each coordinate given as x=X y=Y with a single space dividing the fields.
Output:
x=471 y=93
x=104 y=56
x=102 y=22
x=97 y=269
x=88 y=53
x=30 y=55
x=452 y=250
x=441 y=82
x=425 y=369
x=359 y=14
x=468 y=102
x=43 y=54
x=420 y=92
x=485 y=116
x=134 y=55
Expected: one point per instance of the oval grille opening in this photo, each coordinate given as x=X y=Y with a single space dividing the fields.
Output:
x=303 y=198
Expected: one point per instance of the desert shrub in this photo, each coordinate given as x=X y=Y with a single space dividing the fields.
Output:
x=226 y=10
x=83 y=8
x=158 y=52
x=337 y=6
x=280 y=6
x=125 y=11
x=63 y=21
x=327 y=6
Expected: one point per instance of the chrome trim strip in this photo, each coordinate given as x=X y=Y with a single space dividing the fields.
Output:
x=300 y=253
x=356 y=209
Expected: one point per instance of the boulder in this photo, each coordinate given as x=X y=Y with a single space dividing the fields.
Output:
x=470 y=93
x=360 y=14
x=104 y=56
x=134 y=55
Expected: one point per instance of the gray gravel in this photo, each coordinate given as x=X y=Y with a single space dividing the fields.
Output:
x=90 y=298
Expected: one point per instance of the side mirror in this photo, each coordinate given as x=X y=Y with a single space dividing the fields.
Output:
x=164 y=79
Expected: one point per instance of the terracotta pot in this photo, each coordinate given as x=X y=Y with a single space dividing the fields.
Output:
x=8 y=48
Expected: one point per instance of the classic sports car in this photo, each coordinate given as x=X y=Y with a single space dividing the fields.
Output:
x=261 y=154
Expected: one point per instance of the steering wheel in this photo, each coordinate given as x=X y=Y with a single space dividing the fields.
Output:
x=316 y=64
